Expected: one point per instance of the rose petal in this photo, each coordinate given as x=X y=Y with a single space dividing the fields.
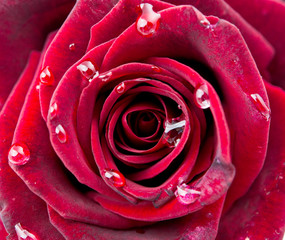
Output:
x=23 y=32
x=199 y=225
x=267 y=17
x=263 y=206
x=18 y=203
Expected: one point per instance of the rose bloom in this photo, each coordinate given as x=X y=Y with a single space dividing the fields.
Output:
x=138 y=119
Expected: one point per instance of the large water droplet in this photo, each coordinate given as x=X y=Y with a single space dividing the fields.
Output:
x=53 y=109
x=61 y=134
x=24 y=234
x=186 y=194
x=88 y=70
x=173 y=131
x=106 y=76
x=148 y=21
x=46 y=76
x=121 y=88
x=261 y=105
x=71 y=46
x=115 y=177
x=19 y=154
x=202 y=99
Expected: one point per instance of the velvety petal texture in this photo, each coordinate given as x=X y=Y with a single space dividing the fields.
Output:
x=142 y=120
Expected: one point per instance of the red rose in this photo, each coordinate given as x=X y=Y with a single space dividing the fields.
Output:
x=142 y=120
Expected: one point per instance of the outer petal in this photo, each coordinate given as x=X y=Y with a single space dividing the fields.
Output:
x=18 y=203
x=261 y=212
x=196 y=226
x=23 y=27
x=268 y=16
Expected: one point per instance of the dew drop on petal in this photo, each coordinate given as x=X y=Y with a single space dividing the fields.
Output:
x=46 y=76
x=105 y=76
x=19 y=154
x=148 y=20
x=53 y=109
x=261 y=105
x=61 y=134
x=205 y=23
x=38 y=87
x=186 y=194
x=115 y=177
x=121 y=88
x=156 y=69
x=24 y=234
x=71 y=46
x=202 y=99
x=173 y=131
x=88 y=70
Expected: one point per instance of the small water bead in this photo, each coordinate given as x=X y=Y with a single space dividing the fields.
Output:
x=38 y=87
x=24 y=234
x=115 y=177
x=46 y=76
x=186 y=194
x=205 y=23
x=61 y=134
x=156 y=69
x=19 y=154
x=71 y=46
x=202 y=99
x=173 y=131
x=148 y=21
x=53 y=111
x=261 y=105
x=105 y=77
x=88 y=70
x=121 y=88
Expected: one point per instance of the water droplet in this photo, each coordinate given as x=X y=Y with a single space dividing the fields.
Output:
x=46 y=76
x=202 y=96
x=105 y=77
x=173 y=131
x=53 y=109
x=19 y=154
x=179 y=107
x=24 y=234
x=121 y=88
x=156 y=69
x=260 y=105
x=115 y=177
x=148 y=21
x=186 y=194
x=88 y=70
x=61 y=134
x=38 y=87
x=71 y=46
x=205 y=23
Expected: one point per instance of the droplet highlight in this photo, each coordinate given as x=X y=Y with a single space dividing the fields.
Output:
x=186 y=194
x=115 y=177
x=72 y=47
x=173 y=131
x=156 y=69
x=261 y=105
x=148 y=20
x=60 y=133
x=121 y=88
x=105 y=77
x=202 y=99
x=19 y=154
x=88 y=70
x=46 y=76
x=24 y=234
x=53 y=109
